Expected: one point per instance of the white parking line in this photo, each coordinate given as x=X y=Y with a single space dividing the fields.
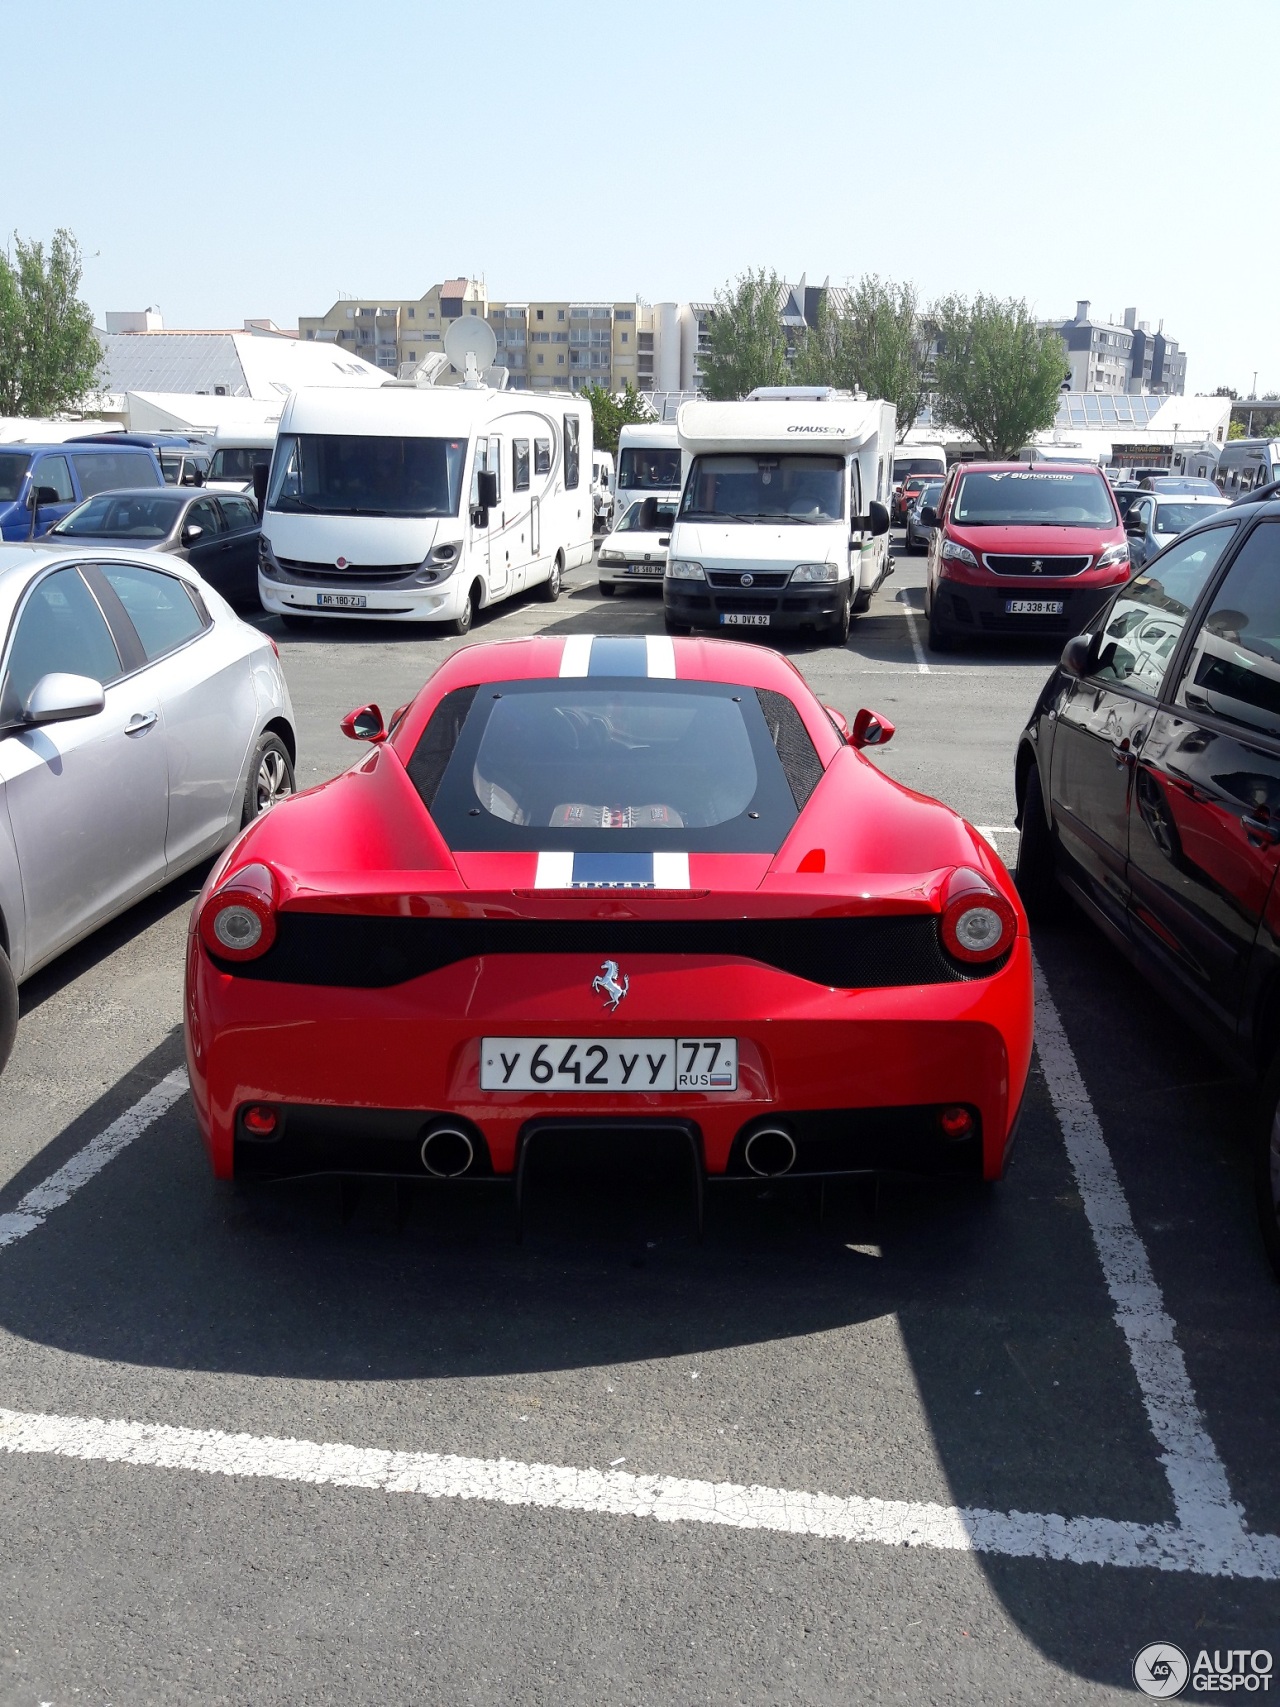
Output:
x=53 y=1192
x=904 y=599
x=1210 y=1519
x=618 y=1493
x=1209 y=1537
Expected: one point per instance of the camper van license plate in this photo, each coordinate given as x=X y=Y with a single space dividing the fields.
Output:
x=342 y=601
x=744 y=619
x=1033 y=607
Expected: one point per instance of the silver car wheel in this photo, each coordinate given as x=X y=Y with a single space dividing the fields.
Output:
x=273 y=782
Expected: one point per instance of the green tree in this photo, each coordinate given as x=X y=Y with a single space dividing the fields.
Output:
x=748 y=343
x=1236 y=430
x=874 y=341
x=610 y=413
x=998 y=372
x=49 y=353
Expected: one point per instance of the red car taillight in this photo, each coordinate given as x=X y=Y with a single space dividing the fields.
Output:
x=977 y=923
x=238 y=921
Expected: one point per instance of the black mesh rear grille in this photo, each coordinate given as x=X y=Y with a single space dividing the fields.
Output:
x=360 y=952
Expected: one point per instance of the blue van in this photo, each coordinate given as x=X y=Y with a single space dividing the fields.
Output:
x=39 y=484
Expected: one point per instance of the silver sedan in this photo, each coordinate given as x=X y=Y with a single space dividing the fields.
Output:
x=142 y=724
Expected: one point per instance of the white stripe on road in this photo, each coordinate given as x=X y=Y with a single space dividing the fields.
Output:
x=54 y=1192
x=618 y=1493
x=904 y=599
x=1210 y=1520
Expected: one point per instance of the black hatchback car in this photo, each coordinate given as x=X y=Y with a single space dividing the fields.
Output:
x=218 y=536
x=1148 y=787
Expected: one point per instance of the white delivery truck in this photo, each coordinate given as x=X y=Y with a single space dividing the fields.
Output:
x=649 y=464
x=422 y=503
x=782 y=521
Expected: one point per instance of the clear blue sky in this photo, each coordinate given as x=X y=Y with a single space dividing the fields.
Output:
x=257 y=157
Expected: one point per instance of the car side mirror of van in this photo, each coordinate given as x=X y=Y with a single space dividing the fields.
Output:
x=486 y=490
x=364 y=724
x=928 y=516
x=870 y=730
x=879 y=517
x=1077 y=656
x=59 y=697
x=42 y=495
x=261 y=474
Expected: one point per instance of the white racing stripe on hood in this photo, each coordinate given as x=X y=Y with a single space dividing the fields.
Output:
x=576 y=657
x=662 y=655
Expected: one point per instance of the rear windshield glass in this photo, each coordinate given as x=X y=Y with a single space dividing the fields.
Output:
x=621 y=765
x=110 y=470
x=13 y=465
x=1175 y=518
x=905 y=465
x=657 y=470
x=1034 y=497
x=118 y=515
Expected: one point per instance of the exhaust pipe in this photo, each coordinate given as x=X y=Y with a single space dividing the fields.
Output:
x=447 y=1152
x=770 y=1152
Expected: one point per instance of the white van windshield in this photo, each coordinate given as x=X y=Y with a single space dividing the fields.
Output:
x=649 y=468
x=755 y=487
x=341 y=474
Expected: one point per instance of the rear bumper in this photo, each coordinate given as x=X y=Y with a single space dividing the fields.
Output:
x=358 y=1073
x=700 y=605
x=967 y=607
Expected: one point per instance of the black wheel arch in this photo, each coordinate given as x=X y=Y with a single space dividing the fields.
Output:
x=281 y=727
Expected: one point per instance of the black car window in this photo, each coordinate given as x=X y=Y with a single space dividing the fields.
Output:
x=157 y=604
x=52 y=471
x=60 y=628
x=238 y=513
x=1234 y=666
x=1141 y=629
x=204 y=513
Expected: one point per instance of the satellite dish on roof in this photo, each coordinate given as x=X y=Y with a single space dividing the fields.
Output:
x=470 y=346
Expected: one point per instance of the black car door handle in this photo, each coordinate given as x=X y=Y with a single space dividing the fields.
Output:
x=1261 y=828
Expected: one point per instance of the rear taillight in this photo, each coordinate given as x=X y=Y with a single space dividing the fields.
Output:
x=977 y=923
x=238 y=921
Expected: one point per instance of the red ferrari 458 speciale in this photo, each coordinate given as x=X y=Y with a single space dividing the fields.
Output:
x=609 y=884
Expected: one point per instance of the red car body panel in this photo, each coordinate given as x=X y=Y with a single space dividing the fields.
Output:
x=363 y=847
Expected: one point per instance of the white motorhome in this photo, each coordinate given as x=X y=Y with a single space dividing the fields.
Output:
x=782 y=520
x=602 y=487
x=423 y=504
x=1246 y=464
x=235 y=452
x=908 y=459
x=650 y=464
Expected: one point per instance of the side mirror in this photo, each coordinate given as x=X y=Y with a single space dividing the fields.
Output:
x=39 y=496
x=838 y=718
x=1077 y=656
x=191 y=533
x=261 y=474
x=928 y=516
x=879 y=517
x=1133 y=523
x=364 y=724
x=60 y=697
x=192 y=476
x=870 y=730
x=486 y=490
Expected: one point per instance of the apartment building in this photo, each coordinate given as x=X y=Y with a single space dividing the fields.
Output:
x=1126 y=359
x=544 y=346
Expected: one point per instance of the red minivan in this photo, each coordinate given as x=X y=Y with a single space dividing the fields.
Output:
x=1021 y=548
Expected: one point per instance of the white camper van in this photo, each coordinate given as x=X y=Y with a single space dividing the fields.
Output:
x=782 y=521
x=423 y=504
x=602 y=487
x=649 y=464
x=236 y=452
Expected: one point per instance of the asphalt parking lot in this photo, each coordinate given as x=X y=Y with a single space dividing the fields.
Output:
x=918 y=1445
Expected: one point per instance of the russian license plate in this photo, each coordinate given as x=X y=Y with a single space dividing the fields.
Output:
x=1033 y=607
x=597 y=1064
x=744 y=619
x=342 y=601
